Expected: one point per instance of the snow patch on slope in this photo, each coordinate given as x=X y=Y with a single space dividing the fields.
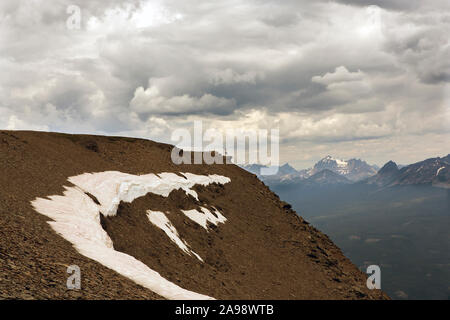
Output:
x=76 y=217
x=203 y=217
x=112 y=187
x=341 y=163
x=160 y=220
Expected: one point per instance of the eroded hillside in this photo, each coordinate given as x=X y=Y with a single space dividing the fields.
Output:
x=263 y=250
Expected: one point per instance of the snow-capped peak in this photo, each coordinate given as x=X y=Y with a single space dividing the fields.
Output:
x=352 y=169
x=339 y=162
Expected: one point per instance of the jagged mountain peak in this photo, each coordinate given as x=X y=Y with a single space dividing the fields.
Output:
x=287 y=169
x=330 y=159
x=390 y=166
x=353 y=169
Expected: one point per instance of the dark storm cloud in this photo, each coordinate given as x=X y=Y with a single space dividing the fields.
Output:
x=322 y=70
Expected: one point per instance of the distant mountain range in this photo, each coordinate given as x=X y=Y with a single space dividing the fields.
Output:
x=336 y=171
x=395 y=218
x=434 y=171
x=332 y=171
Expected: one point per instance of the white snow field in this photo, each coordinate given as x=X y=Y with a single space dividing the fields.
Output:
x=76 y=217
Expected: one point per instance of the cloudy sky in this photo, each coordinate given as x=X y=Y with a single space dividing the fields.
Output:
x=366 y=79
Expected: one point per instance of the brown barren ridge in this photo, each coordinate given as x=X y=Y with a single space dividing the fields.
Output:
x=263 y=251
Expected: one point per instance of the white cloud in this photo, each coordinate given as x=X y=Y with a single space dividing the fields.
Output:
x=15 y=123
x=150 y=101
x=323 y=71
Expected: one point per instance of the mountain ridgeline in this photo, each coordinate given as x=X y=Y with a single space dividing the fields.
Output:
x=332 y=171
x=434 y=171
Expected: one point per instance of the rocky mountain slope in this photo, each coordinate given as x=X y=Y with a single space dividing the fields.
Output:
x=326 y=177
x=141 y=227
x=434 y=171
